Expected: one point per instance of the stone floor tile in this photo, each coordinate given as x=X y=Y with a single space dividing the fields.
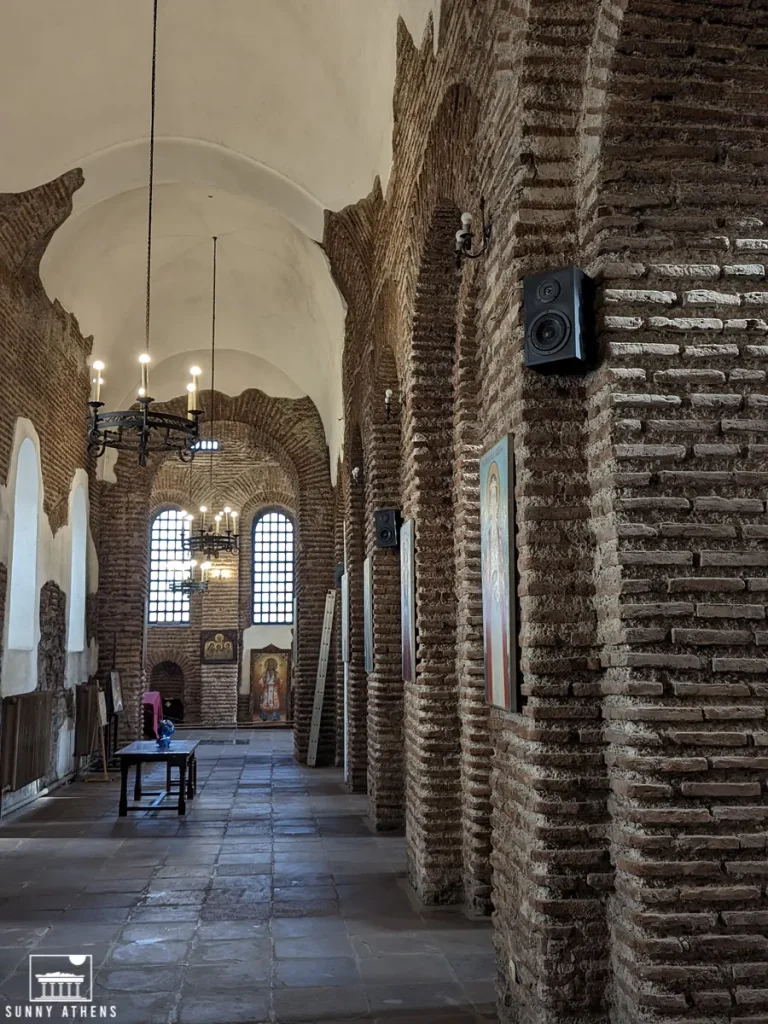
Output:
x=418 y=999
x=271 y=901
x=148 y=951
x=317 y=972
x=319 y=1004
x=248 y=1007
x=313 y=946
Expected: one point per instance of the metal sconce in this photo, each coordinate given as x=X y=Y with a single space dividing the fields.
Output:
x=388 y=401
x=356 y=471
x=464 y=236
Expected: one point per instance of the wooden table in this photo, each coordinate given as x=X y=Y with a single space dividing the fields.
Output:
x=180 y=753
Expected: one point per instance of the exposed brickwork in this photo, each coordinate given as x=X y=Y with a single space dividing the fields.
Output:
x=247 y=479
x=382 y=440
x=45 y=380
x=290 y=434
x=640 y=491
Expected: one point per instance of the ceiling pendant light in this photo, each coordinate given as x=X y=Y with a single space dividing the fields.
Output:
x=144 y=430
x=210 y=539
x=185 y=583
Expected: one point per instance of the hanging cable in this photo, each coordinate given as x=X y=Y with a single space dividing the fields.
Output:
x=213 y=359
x=153 y=91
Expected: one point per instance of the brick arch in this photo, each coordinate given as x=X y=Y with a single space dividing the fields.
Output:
x=174 y=655
x=290 y=430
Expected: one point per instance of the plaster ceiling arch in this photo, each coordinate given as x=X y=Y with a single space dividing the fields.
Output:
x=279 y=314
x=303 y=87
x=278 y=109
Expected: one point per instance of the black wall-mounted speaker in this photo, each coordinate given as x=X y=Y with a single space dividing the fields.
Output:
x=559 y=316
x=338 y=573
x=387 y=522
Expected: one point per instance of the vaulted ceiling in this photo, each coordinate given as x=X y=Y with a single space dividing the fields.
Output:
x=268 y=112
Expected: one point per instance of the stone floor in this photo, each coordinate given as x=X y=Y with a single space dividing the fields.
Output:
x=271 y=901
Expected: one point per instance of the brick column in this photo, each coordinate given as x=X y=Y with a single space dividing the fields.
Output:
x=123 y=584
x=432 y=760
x=219 y=683
x=357 y=682
x=476 y=749
x=382 y=439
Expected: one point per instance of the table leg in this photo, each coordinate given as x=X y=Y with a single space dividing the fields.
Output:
x=123 y=811
x=190 y=777
x=137 y=785
x=194 y=775
x=182 y=785
x=167 y=776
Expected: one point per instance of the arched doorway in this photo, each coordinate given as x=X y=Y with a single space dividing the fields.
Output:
x=167 y=678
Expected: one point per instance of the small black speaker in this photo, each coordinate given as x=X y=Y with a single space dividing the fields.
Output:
x=558 y=308
x=387 y=527
x=338 y=573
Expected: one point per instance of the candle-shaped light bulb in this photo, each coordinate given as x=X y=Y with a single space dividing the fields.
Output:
x=203 y=510
x=195 y=371
x=234 y=522
x=191 y=399
x=227 y=511
x=217 y=520
x=144 y=360
x=97 y=381
x=142 y=392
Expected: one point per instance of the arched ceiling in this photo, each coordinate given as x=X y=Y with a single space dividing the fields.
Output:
x=268 y=113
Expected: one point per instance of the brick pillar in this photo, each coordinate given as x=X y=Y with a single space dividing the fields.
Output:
x=219 y=683
x=123 y=584
x=357 y=691
x=315 y=536
x=476 y=749
x=432 y=759
x=386 y=808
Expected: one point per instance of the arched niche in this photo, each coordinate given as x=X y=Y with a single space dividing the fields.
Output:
x=78 y=570
x=23 y=591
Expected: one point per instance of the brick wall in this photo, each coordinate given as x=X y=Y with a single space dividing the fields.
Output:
x=279 y=452
x=44 y=380
x=246 y=478
x=628 y=138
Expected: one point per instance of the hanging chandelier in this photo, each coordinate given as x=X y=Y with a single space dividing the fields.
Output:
x=215 y=534
x=143 y=429
x=186 y=583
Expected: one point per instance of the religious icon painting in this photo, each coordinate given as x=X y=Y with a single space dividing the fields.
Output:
x=218 y=645
x=270 y=686
x=116 y=691
x=499 y=578
x=408 y=599
x=368 y=613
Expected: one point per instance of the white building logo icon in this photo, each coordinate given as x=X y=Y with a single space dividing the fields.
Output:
x=61 y=979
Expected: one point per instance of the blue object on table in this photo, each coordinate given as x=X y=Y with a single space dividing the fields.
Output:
x=165 y=729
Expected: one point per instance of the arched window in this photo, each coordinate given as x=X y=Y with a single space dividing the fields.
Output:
x=77 y=574
x=22 y=610
x=166 y=551
x=272 y=568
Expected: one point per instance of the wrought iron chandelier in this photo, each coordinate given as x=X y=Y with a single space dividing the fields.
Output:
x=209 y=539
x=143 y=429
x=188 y=584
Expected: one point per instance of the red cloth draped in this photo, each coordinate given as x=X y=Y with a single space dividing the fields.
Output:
x=153 y=698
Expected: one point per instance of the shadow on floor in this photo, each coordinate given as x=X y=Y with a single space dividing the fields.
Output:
x=271 y=901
